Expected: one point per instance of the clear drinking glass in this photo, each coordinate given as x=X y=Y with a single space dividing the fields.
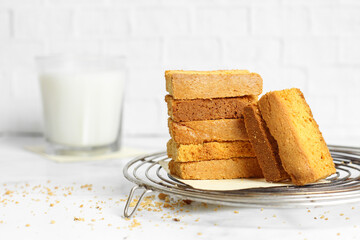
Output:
x=82 y=103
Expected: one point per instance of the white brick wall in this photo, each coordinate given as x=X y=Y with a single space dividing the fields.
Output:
x=310 y=44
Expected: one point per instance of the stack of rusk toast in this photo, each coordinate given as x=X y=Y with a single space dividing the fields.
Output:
x=208 y=135
x=219 y=129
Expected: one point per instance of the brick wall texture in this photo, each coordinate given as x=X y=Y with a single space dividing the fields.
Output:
x=310 y=44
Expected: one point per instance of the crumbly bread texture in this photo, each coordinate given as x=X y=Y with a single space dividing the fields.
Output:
x=212 y=84
x=196 y=132
x=208 y=151
x=264 y=145
x=207 y=109
x=216 y=169
x=302 y=149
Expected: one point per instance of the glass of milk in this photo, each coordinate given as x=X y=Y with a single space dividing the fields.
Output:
x=82 y=103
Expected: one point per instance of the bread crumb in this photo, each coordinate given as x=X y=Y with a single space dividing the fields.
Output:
x=259 y=227
x=338 y=234
x=309 y=210
x=27 y=225
x=8 y=192
x=341 y=214
x=347 y=218
x=93 y=220
x=199 y=233
x=186 y=201
x=166 y=205
x=176 y=220
x=82 y=205
x=134 y=224
x=79 y=219
x=322 y=217
x=52 y=222
x=51 y=204
x=204 y=204
x=162 y=196
x=236 y=211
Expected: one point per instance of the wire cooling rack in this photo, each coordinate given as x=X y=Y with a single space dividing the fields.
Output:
x=342 y=187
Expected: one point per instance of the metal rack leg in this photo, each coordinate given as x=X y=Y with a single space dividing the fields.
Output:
x=128 y=214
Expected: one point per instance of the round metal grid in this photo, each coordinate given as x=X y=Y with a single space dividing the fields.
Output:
x=343 y=186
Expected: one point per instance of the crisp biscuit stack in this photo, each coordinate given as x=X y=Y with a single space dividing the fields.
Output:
x=208 y=135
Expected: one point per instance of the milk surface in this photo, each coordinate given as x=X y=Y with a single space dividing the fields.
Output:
x=82 y=109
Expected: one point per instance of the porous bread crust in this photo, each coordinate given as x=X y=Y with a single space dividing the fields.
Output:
x=212 y=84
x=264 y=145
x=302 y=149
x=207 y=109
x=196 y=132
x=216 y=169
x=208 y=151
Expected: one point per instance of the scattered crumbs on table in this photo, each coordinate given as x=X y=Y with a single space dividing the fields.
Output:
x=134 y=224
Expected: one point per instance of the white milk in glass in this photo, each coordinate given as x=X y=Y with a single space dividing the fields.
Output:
x=82 y=105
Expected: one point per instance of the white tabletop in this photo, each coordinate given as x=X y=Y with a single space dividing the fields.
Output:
x=41 y=199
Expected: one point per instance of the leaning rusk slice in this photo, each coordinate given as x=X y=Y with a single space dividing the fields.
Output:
x=302 y=149
x=264 y=145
